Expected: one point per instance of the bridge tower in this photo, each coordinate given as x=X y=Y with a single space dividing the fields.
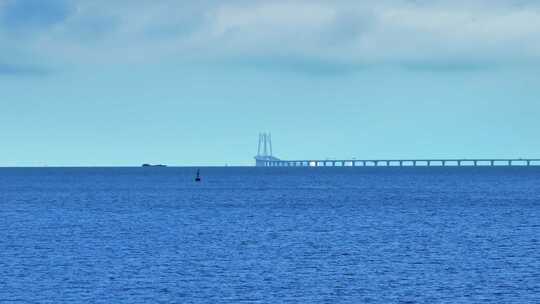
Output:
x=264 y=151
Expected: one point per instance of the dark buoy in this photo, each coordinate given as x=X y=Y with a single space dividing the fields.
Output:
x=198 y=178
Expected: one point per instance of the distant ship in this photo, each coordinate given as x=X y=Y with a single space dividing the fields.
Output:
x=150 y=165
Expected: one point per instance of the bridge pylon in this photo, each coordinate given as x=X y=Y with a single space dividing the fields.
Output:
x=264 y=150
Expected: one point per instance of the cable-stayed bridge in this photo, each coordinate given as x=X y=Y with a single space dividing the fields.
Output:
x=264 y=151
x=265 y=158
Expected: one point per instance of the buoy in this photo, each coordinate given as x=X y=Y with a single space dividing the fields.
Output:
x=198 y=178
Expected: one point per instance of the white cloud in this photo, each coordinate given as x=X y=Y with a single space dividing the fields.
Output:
x=385 y=32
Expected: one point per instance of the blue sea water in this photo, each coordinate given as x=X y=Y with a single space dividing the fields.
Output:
x=270 y=235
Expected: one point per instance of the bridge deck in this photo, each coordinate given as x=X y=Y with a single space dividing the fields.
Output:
x=400 y=162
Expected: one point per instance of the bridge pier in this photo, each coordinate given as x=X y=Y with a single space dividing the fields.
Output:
x=274 y=162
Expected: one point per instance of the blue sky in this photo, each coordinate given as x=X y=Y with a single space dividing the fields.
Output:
x=194 y=82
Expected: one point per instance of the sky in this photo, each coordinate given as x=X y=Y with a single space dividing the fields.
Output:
x=126 y=82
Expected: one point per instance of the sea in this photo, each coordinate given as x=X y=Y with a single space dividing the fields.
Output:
x=270 y=235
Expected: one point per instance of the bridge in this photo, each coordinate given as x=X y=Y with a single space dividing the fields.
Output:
x=399 y=163
x=264 y=151
x=265 y=158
